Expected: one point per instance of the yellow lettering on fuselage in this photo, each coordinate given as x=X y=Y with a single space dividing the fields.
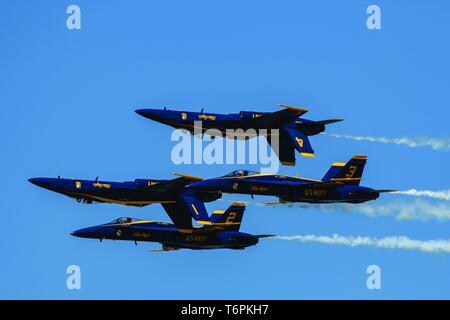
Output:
x=257 y=188
x=143 y=235
x=315 y=192
x=102 y=185
x=195 y=238
x=204 y=117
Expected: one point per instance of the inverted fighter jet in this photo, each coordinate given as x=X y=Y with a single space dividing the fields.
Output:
x=286 y=125
x=171 y=194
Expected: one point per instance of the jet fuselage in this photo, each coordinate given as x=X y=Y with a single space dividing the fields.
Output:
x=223 y=122
x=288 y=189
x=140 y=192
x=168 y=235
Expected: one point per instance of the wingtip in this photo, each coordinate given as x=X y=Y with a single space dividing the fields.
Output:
x=189 y=177
x=293 y=108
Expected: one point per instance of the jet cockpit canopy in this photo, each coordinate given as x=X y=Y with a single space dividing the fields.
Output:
x=241 y=173
x=124 y=220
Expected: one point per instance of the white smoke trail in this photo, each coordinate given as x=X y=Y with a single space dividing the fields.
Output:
x=402 y=211
x=442 y=144
x=441 y=195
x=395 y=242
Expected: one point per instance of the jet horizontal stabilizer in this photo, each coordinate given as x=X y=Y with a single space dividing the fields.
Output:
x=329 y=121
x=265 y=235
x=371 y=191
x=386 y=190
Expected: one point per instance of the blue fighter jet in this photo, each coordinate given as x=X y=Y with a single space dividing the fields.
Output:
x=291 y=130
x=222 y=232
x=171 y=194
x=340 y=184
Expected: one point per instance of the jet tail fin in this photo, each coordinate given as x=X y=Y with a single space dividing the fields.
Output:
x=229 y=219
x=347 y=173
x=300 y=142
x=195 y=207
x=178 y=213
x=290 y=140
x=333 y=171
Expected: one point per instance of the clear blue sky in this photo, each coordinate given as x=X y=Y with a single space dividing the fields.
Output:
x=67 y=101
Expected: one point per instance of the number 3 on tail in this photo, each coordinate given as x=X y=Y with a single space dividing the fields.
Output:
x=351 y=171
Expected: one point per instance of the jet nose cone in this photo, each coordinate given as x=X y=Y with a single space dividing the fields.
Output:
x=76 y=233
x=85 y=232
x=96 y=232
x=140 y=112
x=40 y=182
x=152 y=114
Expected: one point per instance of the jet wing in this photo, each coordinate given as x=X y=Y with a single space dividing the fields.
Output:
x=188 y=177
x=176 y=183
x=275 y=119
